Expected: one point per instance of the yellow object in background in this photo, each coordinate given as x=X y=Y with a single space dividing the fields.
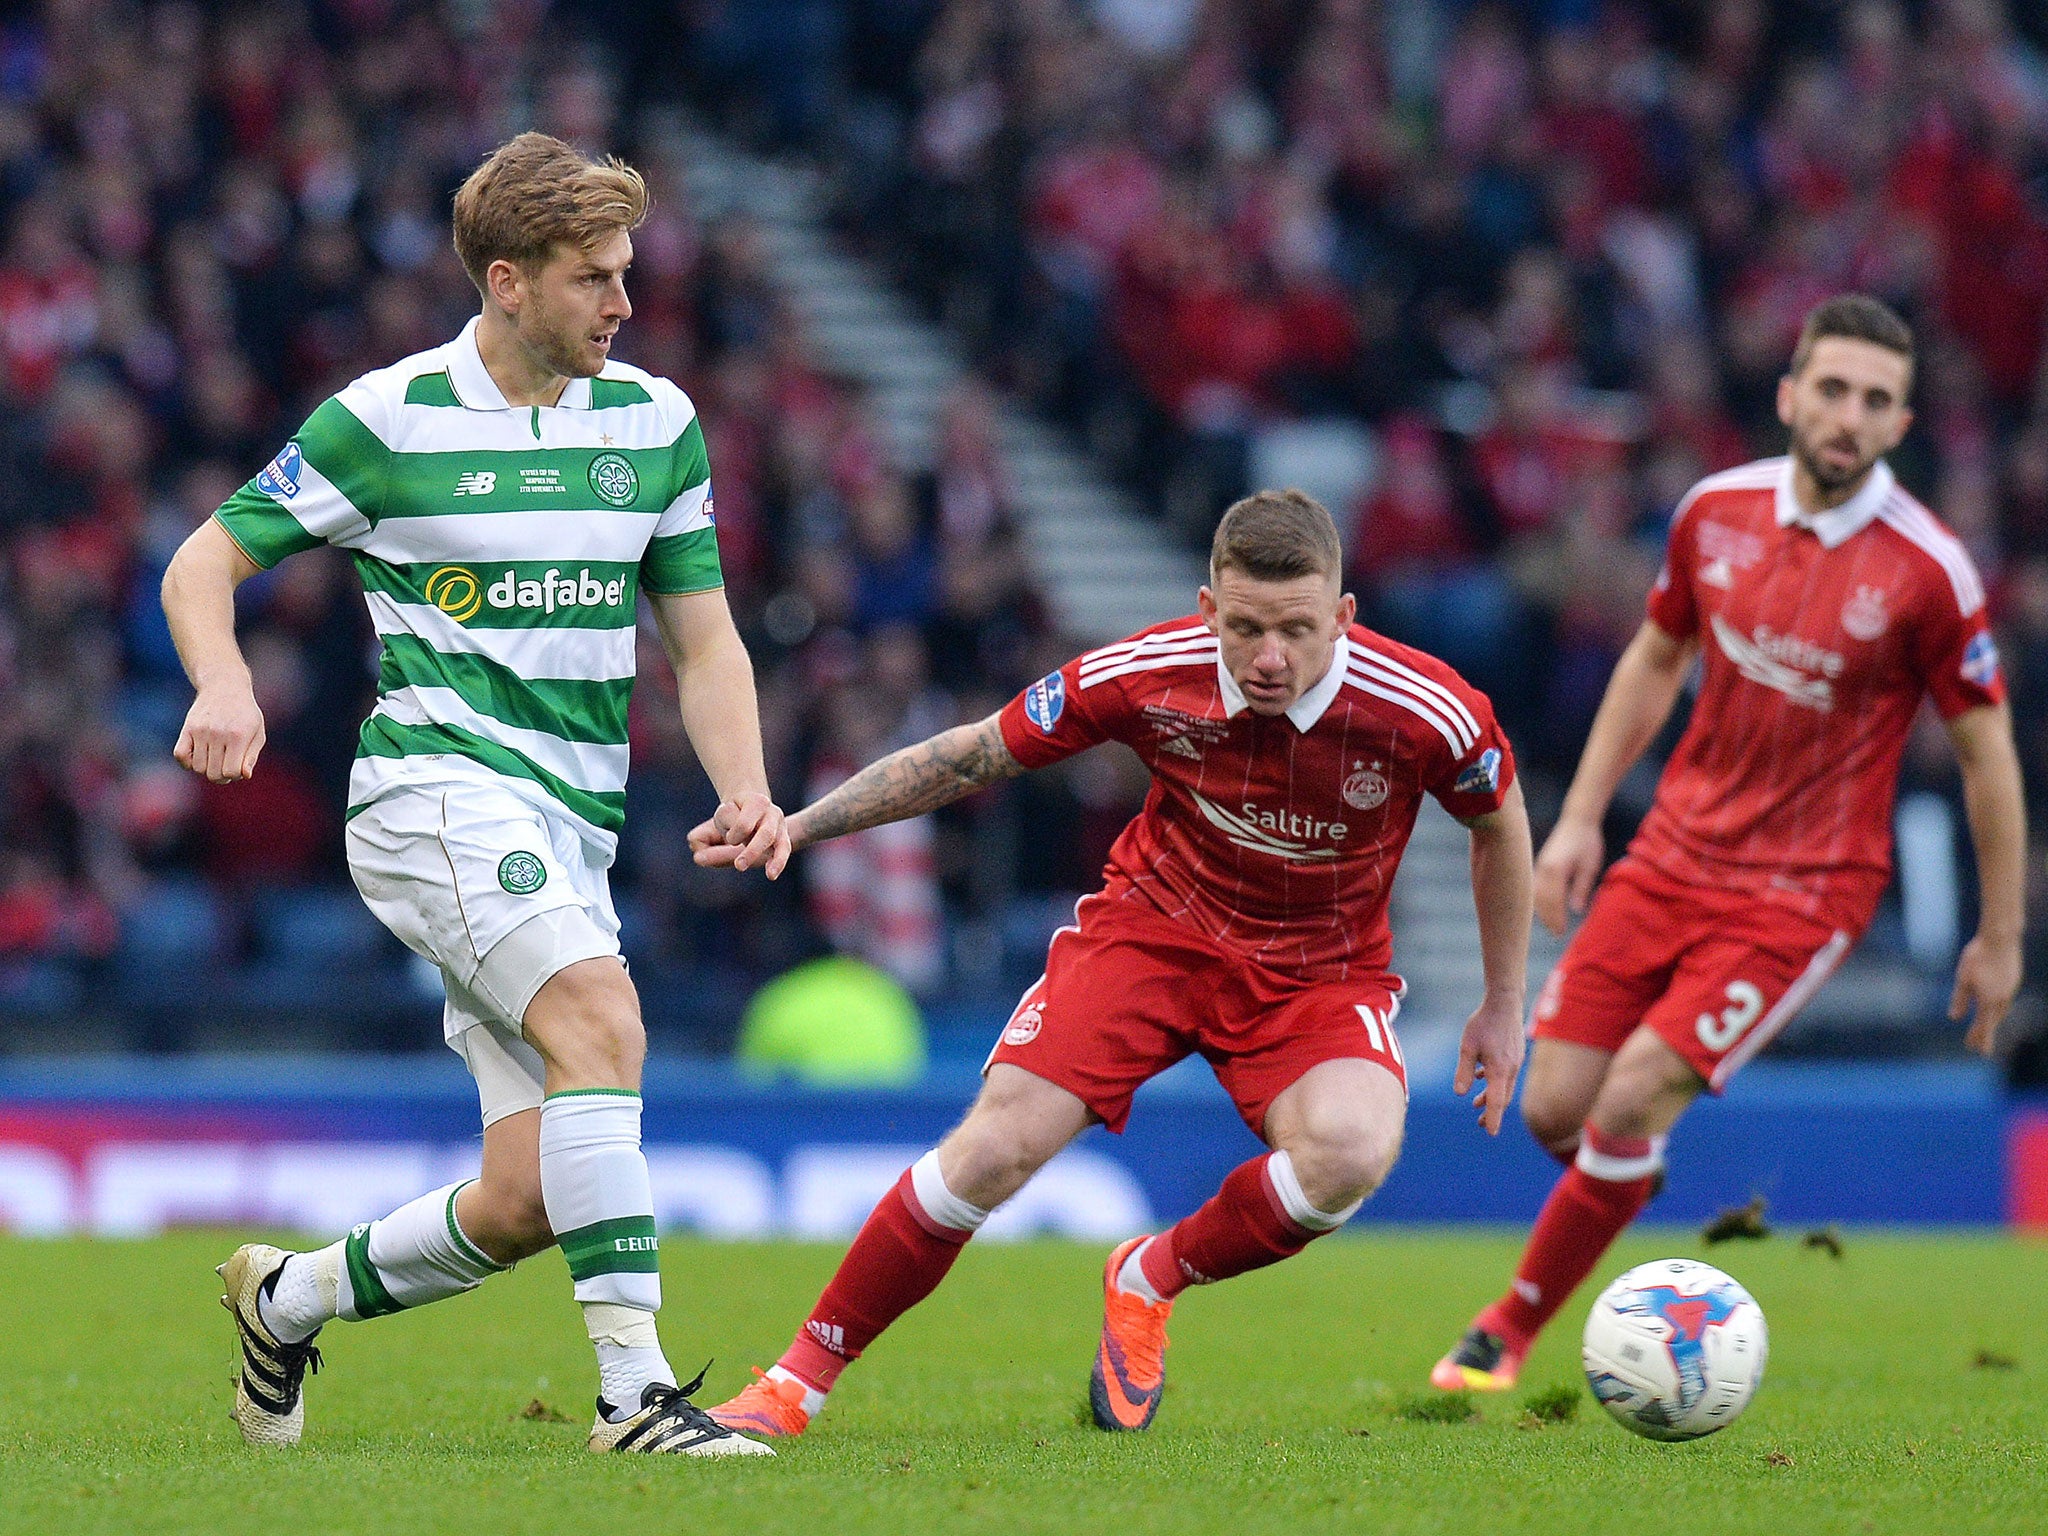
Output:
x=836 y=1021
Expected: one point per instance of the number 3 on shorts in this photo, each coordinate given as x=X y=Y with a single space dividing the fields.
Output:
x=1745 y=1002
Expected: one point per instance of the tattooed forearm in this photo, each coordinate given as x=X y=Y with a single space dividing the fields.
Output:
x=910 y=782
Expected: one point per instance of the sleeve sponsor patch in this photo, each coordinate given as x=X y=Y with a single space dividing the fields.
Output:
x=280 y=477
x=1044 y=701
x=1980 y=660
x=1481 y=777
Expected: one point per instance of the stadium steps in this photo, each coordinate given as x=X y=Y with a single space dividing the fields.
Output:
x=1106 y=569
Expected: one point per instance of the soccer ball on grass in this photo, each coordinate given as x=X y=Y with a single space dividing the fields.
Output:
x=1675 y=1349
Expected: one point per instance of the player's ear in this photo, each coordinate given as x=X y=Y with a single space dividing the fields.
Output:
x=1205 y=605
x=1347 y=611
x=1786 y=385
x=506 y=283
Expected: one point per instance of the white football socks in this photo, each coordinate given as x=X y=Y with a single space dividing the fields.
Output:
x=629 y=1357
x=814 y=1400
x=593 y=1178
x=416 y=1255
x=1131 y=1277
x=302 y=1297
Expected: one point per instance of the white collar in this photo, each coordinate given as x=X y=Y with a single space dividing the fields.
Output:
x=477 y=390
x=1304 y=711
x=1837 y=524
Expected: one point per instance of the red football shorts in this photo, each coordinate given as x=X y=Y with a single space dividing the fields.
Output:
x=1716 y=973
x=1128 y=992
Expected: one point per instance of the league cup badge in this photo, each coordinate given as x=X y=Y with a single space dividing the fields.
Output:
x=1863 y=616
x=1366 y=788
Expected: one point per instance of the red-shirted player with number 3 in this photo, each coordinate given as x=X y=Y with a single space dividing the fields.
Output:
x=1825 y=603
x=1244 y=918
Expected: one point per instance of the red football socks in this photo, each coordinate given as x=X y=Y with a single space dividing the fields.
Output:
x=1601 y=1193
x=1243 y=1226
x=901 y=1254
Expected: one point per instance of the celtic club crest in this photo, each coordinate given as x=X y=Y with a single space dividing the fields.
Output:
x=613 y=477
x=522 y=873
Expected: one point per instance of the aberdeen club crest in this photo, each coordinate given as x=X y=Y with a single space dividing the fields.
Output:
x=1365 y=788
x=1864 y=616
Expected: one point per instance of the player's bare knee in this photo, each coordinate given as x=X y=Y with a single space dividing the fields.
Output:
x=990 y=1157
x=1644 y=1093
x=1555 y=1126
x=1345 y=1164
x=1627 y=1106
x=507 y=1218
x=586 y=1022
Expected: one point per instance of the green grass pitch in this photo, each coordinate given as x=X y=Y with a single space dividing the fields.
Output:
x=1907 y=1392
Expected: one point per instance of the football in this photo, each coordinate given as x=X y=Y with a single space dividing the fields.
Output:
x=1675 y=1349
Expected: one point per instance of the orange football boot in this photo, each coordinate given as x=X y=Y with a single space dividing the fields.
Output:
x=1130 y=1363
x=768 y=1407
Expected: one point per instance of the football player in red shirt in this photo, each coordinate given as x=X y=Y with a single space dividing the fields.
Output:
x=1825 y=603
x=1243 y=917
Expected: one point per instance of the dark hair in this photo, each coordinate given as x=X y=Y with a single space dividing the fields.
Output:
x=1860 y=318
x=1277 y=536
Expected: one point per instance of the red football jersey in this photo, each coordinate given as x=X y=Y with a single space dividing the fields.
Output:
x=1275 y=836
x=1819 y=637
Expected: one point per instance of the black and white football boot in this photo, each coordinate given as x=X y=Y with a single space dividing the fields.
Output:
x=668 y=1422
x=270 y=1403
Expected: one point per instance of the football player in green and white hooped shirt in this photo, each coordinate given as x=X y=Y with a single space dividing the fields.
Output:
x=507 y=498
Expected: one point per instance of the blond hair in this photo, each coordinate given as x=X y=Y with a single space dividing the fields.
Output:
x=535 y=193
x=1277 y=536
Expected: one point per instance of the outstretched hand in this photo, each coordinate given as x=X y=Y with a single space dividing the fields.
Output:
x=745 y=831
x=1490 y=1055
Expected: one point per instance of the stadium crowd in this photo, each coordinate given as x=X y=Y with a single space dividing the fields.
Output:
x=1551 y=255
x=211 y=220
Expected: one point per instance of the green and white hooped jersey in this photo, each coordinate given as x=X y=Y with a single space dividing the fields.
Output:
x=502 y=551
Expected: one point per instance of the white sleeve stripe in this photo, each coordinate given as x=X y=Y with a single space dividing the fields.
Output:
x=1413 y=705
x=1919 y=526
x=1205 y=645
x=1124 y=649
x=1390 y=670
x=1744 y=477
x=685 y=514
x=321 y=509
x=1150 y=664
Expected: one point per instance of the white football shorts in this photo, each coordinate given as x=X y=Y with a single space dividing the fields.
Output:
x=500 y=896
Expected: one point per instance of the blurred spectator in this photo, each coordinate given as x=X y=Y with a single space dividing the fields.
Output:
x=834 y=1023
x=210 y=219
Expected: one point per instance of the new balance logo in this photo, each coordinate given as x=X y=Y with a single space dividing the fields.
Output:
x=829 y=1335
x=476 y=482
